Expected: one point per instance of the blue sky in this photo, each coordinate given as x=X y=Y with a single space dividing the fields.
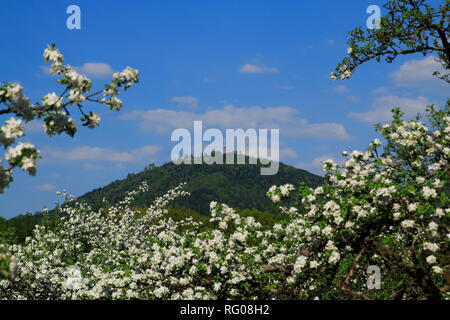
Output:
x=231 y=64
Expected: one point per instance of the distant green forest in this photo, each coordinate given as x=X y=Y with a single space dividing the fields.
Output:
x=239 y=186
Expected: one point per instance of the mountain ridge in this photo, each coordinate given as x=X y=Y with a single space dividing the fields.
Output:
x=238 y=185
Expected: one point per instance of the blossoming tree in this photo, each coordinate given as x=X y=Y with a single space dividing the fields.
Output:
x=410 y=26
x=53 y=109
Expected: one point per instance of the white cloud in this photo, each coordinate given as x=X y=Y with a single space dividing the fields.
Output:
x=380 y=90
x=90 y=69
x=382 y=108
x=320 y=130
x=34 y=126
x=185 y=101
x=46 y=187
x=145 y=151
x=315 y=165
x=419 y=74
x=284 y=118
x=89 y=153
x=96 y=167
x=353 y=98
x=287 y=153
x=341 y=89
x=45 y=69
x=95 y=69
x=253 y=68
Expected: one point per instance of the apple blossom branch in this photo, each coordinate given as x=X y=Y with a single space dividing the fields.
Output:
x=53 y=109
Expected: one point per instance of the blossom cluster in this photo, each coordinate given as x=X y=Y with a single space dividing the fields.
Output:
x=53 y=110
x=121 y=253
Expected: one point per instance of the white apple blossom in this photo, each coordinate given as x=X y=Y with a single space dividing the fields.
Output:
x=93 y=120
x=10 y=131
x=408 y=223
x=429 y=192
x=76 y=96
x=53 y=109
x=14 y=91
x=431 y=259
x=52 y=100
x=437 y=269
x=433 y=247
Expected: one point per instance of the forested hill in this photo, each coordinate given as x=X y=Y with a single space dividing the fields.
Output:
x=240 y=186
